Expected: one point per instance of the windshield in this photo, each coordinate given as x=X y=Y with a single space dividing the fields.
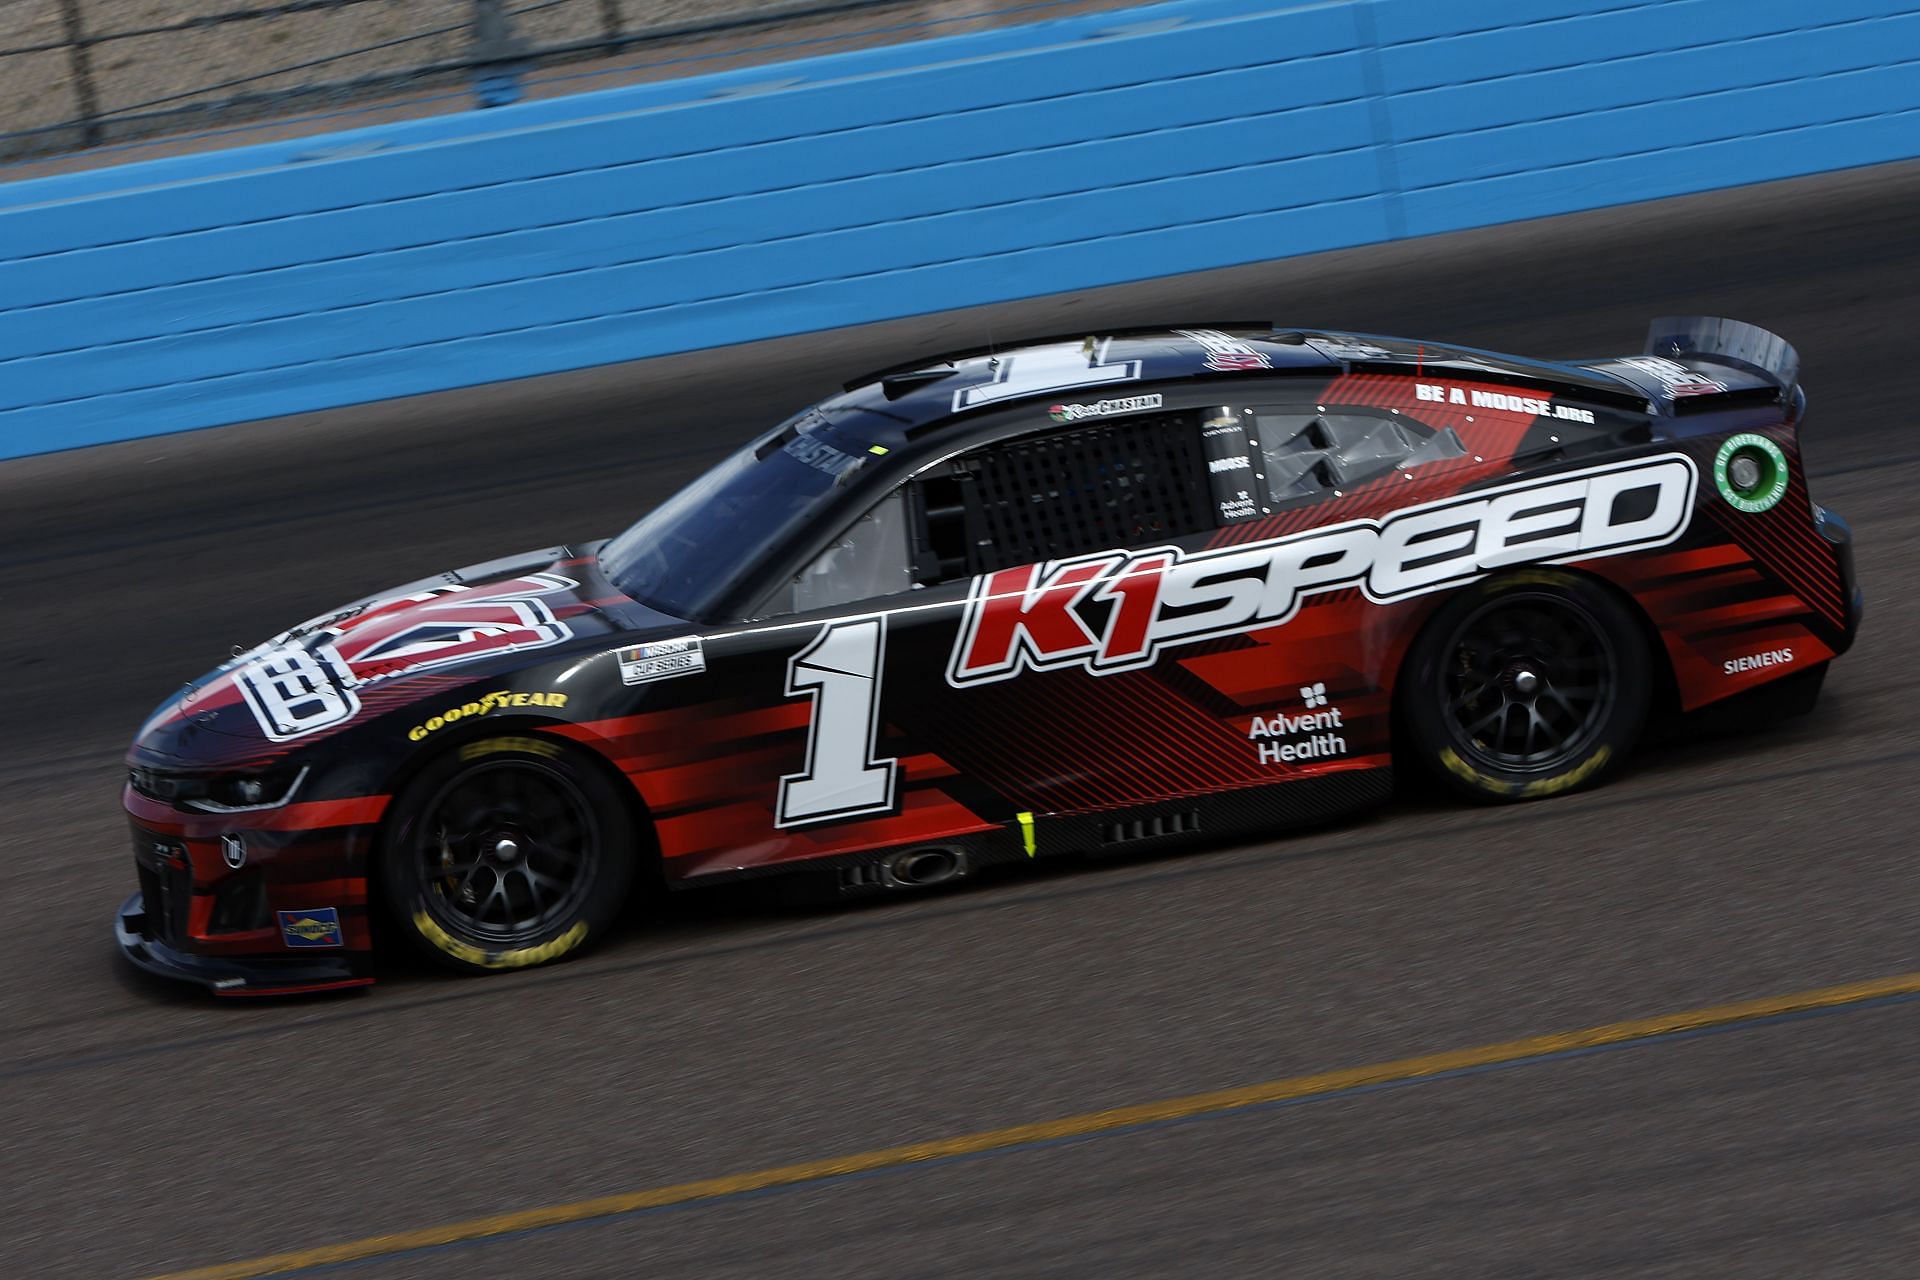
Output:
x=693 y=549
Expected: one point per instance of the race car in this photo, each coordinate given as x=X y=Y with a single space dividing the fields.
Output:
x=1075 y=596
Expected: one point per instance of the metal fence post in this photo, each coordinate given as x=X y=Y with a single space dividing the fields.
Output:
x=495 y=55
x=80 y=50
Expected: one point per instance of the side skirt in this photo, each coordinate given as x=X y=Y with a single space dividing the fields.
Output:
x=1196 y=821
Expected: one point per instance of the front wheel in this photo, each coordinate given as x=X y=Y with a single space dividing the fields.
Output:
x=507 y=853
x=1526 y=686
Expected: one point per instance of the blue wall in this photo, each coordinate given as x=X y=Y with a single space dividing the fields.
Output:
x=400 y=259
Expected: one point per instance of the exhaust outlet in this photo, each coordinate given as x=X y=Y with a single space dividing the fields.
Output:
x=921 y=868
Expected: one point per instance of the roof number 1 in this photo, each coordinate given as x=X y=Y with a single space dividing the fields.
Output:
x=1044 y=370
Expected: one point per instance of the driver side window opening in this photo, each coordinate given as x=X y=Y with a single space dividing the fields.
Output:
x=1123 y=483
x=869 y=559
x=1128 y=482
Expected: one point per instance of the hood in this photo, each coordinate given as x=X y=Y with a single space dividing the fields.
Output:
x=390 y=649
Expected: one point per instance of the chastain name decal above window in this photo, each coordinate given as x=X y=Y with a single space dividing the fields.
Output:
x=1102 y=408
x=1115 y=610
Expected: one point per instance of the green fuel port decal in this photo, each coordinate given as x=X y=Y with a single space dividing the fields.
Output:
x=1750 y=472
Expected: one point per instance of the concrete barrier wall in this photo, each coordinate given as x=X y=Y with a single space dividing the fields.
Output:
x=610 y=226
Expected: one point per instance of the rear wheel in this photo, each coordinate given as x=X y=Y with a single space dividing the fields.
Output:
x=1526 y=686
x=507 y=853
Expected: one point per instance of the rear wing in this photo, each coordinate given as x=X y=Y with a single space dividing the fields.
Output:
x=1692 y=340
x=1703 y=364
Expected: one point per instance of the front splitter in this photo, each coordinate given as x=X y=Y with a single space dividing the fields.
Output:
x=226 y=975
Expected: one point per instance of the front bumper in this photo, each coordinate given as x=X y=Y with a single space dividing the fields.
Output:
x=225 y=975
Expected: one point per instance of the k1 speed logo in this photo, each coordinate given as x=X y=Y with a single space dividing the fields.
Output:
x=1115 y=610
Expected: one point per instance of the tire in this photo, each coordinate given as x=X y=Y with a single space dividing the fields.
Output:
x=507 y=853
x=1526 y=685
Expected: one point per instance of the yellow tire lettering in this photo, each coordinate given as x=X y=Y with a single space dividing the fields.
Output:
x=1571 y=778
x=430 y=930
x=493 y=746
x=1459 y=768
x=519 y=958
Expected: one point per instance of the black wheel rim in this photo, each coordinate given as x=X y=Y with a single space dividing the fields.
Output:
x=507 y=849
x=1529 y=684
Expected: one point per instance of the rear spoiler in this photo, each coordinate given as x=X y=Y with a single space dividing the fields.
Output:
x=1703 y=364
x=1709 y=339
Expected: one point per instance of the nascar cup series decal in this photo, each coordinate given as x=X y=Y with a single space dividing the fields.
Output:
x=662 y=660
x=306 y=680
x=1030 y=618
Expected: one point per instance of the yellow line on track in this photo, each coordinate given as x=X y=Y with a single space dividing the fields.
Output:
x=1080 y=1126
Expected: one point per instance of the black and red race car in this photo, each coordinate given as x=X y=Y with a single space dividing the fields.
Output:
x=1124 y=591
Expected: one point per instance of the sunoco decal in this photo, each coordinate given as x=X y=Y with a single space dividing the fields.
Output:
x=1034 y=617
x=1101 y=408
x=314 y=927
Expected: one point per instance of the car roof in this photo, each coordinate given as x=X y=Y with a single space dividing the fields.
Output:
x=910 y=400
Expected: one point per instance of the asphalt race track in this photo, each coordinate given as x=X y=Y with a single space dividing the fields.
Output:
x=148 y=1129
